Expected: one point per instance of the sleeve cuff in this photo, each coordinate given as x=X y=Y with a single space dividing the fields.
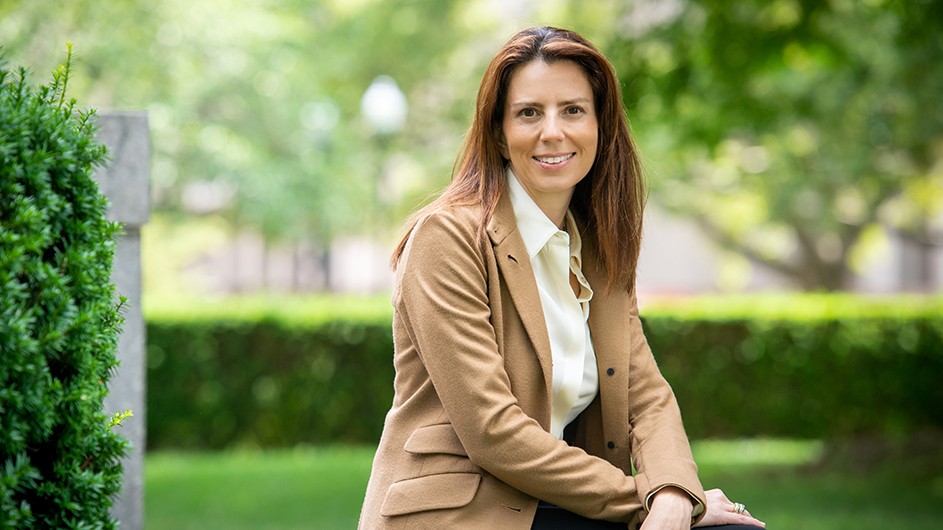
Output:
x=698 y=505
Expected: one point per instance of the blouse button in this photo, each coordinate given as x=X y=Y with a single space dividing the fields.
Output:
x=611 y=445
x=611 y=371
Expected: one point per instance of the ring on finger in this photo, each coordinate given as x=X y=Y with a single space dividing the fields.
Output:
x=738 y=508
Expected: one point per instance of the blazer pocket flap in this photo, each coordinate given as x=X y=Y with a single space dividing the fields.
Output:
x=432 y=492
x=434 y=439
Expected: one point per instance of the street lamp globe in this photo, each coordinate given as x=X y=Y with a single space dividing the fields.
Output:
x=384 y=105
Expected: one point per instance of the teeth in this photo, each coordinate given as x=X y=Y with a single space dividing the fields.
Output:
x=553 y=159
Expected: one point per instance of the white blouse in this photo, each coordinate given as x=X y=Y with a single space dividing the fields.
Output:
x=554 y=254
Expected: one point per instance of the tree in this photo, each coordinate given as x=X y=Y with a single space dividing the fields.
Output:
x=794 y=132
x=797 y=133
x=254 y=108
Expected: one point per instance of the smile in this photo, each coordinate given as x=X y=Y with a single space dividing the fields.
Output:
x=554 y=159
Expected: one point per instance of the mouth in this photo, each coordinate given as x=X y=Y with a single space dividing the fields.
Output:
x=553 y=160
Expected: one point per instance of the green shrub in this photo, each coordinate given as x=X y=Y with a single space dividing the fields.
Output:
x=271 y=382
x=59 y=459
x=279 y=373
x=803 y=378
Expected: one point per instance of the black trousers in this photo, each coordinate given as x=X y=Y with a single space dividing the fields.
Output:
x=550 y=517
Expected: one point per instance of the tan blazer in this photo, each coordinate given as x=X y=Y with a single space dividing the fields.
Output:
x=466 y=442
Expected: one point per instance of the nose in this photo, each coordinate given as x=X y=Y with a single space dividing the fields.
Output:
x=552 y=130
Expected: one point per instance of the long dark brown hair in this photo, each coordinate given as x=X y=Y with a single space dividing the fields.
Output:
x=608 y=202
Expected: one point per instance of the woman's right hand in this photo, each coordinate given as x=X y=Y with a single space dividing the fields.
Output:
x=721 y=510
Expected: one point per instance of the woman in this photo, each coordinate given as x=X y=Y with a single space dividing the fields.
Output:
x=525 y=391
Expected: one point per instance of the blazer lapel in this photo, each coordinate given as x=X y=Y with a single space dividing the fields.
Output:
x=514 y=264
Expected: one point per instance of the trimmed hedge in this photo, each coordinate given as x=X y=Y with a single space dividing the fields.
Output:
x=216 y=384
x=810 y=379
x=313 y=372
x=59 y=324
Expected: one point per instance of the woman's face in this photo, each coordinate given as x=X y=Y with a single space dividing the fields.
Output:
x=549 y=130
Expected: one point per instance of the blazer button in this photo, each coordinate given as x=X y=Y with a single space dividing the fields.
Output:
x=611 y=371
x=611 y=445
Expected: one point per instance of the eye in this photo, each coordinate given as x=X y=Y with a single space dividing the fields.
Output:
x=574 y=110
x=528 y=112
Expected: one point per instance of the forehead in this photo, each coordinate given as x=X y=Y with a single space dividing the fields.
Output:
x=544 y=82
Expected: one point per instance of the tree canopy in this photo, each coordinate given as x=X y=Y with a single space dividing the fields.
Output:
x=797 y=133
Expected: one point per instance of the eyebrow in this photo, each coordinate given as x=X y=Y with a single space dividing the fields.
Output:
x=564 y=103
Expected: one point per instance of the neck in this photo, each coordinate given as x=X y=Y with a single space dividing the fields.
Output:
x=554 y=208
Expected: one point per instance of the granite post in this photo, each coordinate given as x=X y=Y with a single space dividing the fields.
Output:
x=125 y=181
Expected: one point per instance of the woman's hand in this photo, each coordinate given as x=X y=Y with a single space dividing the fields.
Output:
x=720 y=510
x=671 y=510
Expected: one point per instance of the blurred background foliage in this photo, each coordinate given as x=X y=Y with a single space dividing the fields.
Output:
x=798 y=134
x=795 y=132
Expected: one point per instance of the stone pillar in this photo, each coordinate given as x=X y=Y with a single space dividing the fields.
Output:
x=125 y=181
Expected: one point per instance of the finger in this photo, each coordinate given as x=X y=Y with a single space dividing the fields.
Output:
x=746 y=519
x=729 y=519
x=743 y=517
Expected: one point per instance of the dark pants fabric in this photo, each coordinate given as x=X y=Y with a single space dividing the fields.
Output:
x=550 y=517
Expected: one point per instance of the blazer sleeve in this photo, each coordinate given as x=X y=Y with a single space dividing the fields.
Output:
x=661 y=452
x=443 y=298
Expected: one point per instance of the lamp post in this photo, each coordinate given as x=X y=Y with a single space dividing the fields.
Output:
x=384 y=107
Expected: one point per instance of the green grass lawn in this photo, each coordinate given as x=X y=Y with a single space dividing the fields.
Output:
x=322 y=488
